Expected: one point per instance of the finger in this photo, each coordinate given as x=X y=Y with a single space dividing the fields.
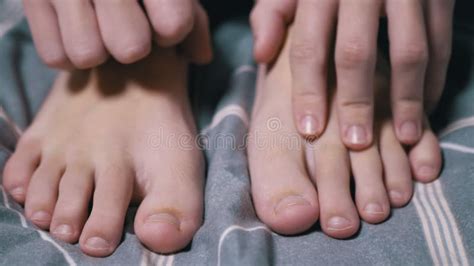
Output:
x=80 y=33
x=439 y=24
x=270 y=20
x=356 y=47
x=125 y=29
x=309 y=63
x=172 y=20
x=408 y=55
x=197 y=46
x=45 y=31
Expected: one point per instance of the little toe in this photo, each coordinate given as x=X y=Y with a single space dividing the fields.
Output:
x=21 y=166
x=71 y=210
x=103 y=230
x=370 y=194
x=425 y=158
x=43 y=191
x=398 y=180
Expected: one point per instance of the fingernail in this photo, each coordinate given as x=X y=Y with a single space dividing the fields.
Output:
x=163 y=218
x=395 y=195
x=18 y=191
x=63 y=229
x=356 y=135
x=338 y=223
x=41 y=216
x=426 y=171
x=308 y=125
x=290 y=201
x=97 y=243
x=409 y=130
x=373 y=208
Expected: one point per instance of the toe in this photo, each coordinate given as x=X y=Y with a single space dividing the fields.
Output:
x=398 y=181
x=172 y=210
x=339 y=218
x=21 y=166
x=70 y=212
x=425 y=157
x=370 y=194
x=103 y=230
x=43 y=190
x=284 y=197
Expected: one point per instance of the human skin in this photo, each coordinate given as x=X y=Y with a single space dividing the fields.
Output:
x=420 y=47
x=85 y=33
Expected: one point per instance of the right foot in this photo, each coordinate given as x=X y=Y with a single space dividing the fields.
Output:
x=108 y=138
x=285 y=177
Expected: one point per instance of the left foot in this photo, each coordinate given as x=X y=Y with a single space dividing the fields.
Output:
x=113 y=137
x=285 y=177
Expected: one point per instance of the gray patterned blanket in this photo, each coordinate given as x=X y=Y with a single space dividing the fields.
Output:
x=437 y=227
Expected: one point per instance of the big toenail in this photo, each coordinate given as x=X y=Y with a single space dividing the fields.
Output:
x=17 y=192
x=41 y=216
x=163 y=218
x=63 y=229
x=426 y=171
x=290 y=201
x=373 y=208
x=395 y=195
x=356 y=135
x=409 y=129
x=338 y=223
x=97 y=243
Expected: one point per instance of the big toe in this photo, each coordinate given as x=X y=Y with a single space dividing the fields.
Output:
x=172 y=210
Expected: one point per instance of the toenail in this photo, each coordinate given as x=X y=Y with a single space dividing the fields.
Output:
x=426 y=171
x=409 y=129
x=97 y=243
x=63 y=229
x=396 y=195
x=41 y=216
x=338 y=223
x=290 y=201
x=163 y=218
x=356 y=135
x=17 y=192
x=309 y=125
x=373 y=208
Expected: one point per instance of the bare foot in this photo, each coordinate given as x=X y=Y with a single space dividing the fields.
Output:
x=286 y=171
x=111 y=137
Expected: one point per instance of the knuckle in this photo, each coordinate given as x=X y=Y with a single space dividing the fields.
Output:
x=86 y=56
x=411 y=55
x=353 y=54
x=304 y=51
x=54 y=59
x=176 y=29
x=133 y=53
x=361 y=103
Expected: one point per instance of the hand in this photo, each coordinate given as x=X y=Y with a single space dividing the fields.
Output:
x=82 y=33
x=420 y=46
